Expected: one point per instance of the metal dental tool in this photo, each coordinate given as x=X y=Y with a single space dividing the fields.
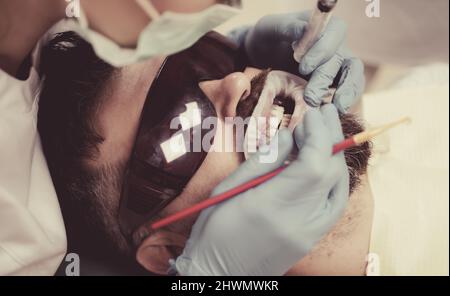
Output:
x=318 y=22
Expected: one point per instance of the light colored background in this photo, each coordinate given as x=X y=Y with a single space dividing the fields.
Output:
x=408 y=32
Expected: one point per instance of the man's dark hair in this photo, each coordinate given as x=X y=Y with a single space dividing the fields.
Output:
x=234 y=3
x=74 y=80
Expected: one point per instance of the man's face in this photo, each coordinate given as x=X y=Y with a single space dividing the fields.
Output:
x=119 y=120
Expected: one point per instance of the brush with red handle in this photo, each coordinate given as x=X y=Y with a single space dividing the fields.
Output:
x=347 y=143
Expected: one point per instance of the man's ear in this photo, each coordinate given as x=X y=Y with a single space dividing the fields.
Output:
x=156 y=250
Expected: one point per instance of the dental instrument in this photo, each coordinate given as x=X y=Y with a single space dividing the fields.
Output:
x=355 y=140
x=317 y=24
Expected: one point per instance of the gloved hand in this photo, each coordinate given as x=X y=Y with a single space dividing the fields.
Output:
x=269 y=44
x=267 y=229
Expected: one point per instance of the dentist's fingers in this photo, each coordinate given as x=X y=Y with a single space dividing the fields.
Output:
x=321 y=80
x=314 y=142
x=332 y=121
x=291 y=29
x=338 y=199
x=325 y=48
x=280 y=27
x=351 y=86
x=310 y=168
x=280 y=146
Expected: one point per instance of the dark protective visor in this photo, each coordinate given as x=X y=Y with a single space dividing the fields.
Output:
x=163 y=159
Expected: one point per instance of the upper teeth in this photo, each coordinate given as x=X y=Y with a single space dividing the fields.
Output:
x=277 y=120
x=276 y=116
x=286 y=120
x=263 y=131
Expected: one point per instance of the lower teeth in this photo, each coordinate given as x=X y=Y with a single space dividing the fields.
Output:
x=285 y=121
x=278 y=120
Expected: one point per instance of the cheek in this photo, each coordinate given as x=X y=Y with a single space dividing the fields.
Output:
x=215 y=168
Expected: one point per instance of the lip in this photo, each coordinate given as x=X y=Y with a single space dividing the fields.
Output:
x=277 y=83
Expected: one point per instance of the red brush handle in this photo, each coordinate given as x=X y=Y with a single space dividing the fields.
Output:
x=347 y=143
x=215 y=200
x=235 y=191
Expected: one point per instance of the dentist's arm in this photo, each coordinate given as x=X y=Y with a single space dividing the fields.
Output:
x=266 y=230
x=269 y=44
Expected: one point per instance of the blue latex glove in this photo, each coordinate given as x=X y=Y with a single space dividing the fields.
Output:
x=267 y=229
x=269 y=44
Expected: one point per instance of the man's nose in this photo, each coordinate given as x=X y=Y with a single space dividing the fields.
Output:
x=236 y=87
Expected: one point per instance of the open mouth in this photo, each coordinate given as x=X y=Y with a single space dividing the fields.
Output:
x=280 y=104
x=283 y=107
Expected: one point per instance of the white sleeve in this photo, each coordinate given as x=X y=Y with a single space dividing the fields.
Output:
x=32 y=233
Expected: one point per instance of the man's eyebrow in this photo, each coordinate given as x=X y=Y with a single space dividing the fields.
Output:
x=259 y=81
x=245 y=108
